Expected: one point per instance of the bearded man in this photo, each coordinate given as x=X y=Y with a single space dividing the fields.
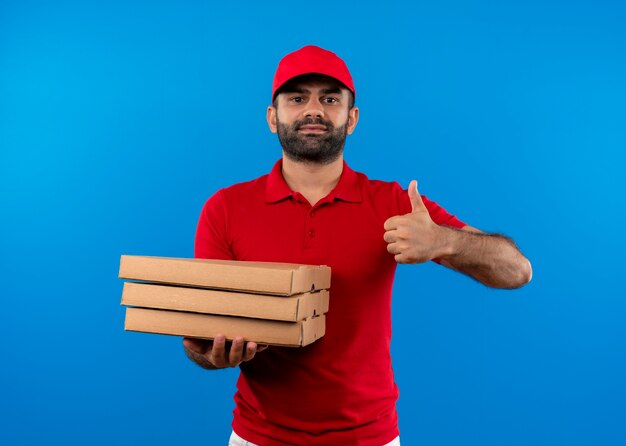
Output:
x=313 y=209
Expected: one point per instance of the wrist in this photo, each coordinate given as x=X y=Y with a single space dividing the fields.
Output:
x=449 y=242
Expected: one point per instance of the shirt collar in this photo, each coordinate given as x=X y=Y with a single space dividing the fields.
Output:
x=347 y=189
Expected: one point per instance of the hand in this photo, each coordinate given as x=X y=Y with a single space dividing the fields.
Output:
x=216 y=353
x=414 y=237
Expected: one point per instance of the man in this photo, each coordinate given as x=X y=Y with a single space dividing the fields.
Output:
x=313 y=209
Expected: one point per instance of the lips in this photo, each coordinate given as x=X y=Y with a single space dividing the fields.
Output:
x=312 y=128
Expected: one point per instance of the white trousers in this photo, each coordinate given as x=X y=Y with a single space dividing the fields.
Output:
x=236 y=440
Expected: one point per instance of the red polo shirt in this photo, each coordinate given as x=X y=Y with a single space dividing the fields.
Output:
x=340 y=389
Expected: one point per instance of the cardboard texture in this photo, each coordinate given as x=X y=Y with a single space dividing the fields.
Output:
x=293 y=308
x=291 y=334
x=255 y=277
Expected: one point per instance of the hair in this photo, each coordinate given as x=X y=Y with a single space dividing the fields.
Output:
x=312 y=77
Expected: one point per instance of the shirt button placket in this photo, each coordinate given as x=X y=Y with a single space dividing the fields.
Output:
x=310 y=239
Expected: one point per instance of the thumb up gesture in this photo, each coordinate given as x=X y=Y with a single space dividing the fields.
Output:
x=414 y=237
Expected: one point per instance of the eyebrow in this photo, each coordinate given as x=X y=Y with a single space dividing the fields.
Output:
x=296 y=89
x=332 y=90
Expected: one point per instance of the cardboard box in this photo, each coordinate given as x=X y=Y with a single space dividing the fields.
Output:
x=292 y=308
x=196 y=325
x=283 y=279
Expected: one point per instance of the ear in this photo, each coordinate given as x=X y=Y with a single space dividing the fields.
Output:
x=271 y=118
x=353 y=118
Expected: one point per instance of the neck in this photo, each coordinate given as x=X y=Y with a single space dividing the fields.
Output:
x=313 y=181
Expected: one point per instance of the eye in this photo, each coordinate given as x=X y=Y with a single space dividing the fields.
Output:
x=330 y=100
x=296 y=99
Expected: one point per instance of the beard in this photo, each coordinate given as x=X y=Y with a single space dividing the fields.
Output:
x=312 y=148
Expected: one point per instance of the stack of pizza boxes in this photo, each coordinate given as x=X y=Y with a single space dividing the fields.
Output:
x=269 y=303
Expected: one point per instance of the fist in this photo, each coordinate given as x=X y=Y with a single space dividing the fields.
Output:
x=413 y=237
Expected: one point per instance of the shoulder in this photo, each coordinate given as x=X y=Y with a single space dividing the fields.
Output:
x=246 y=186
x=240 y=191
x=377 y=186
x=386 y=196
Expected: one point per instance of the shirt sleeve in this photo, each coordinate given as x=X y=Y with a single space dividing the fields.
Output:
x=437 y=213
x=440 y=215
x=212 y=239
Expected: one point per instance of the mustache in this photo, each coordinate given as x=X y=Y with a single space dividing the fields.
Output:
x=311 y=121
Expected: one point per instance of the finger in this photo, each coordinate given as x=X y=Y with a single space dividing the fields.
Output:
x=400 y=258
x=236 y=352
x=250 y=351
x=393 y=248
x=218 y=352
x=261 y=347
x=391 y=223
x=415 y=197
x=390 y=236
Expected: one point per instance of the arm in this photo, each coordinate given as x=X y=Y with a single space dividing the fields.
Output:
x=492 y=259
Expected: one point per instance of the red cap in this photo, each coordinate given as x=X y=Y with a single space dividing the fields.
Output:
x=308 y=60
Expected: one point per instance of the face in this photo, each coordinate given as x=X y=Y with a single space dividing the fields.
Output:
x=312 y=119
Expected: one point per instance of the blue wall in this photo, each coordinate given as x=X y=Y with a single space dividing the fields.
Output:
x=118 y=120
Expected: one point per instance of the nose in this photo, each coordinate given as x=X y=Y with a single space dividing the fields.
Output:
x=314 y=109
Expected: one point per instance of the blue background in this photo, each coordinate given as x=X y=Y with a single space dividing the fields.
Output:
x=118 y=119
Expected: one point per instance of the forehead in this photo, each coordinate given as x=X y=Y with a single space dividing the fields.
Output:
x=310 y=82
